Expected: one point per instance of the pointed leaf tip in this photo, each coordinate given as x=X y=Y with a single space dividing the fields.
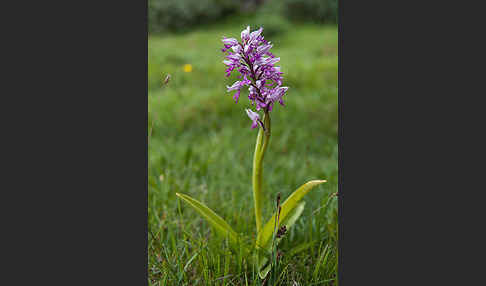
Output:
x=219 y=224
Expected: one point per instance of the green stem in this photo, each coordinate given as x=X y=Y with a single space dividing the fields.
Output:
x=262 y=141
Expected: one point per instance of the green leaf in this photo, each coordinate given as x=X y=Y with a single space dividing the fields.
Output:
x=221 y=226
x=291 y=210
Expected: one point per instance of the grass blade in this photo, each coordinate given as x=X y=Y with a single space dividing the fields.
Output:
x=299 y=248
x=190 y=260
x=220 y=225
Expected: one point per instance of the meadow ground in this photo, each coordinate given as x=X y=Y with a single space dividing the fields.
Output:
x=201 y=144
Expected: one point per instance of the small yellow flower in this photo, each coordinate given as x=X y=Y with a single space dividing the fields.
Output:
x=188 y=68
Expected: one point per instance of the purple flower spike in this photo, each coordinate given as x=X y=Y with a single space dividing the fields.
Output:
x=256 y=66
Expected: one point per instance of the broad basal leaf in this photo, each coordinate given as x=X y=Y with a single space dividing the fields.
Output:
x=221 y=226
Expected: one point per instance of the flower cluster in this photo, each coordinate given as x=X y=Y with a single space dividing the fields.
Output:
x=256 y=64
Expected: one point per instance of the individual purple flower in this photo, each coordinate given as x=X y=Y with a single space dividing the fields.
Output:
x=237 y=86
x=277 y=94
x=230 y=41
x=255 y=117
x=256 y=67
x=245 y=34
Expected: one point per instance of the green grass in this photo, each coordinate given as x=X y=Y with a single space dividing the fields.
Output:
x=201 y=144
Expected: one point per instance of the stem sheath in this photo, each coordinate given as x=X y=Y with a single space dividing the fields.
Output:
x=262 y=141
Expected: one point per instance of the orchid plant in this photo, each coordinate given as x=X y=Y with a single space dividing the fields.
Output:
x=252 y=59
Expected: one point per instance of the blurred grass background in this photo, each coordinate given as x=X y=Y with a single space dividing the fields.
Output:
x=201 y=144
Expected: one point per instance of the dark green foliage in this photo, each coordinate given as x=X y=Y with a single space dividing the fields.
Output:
x=182 y=15
x=177 y=15
x=318 y=11
x=270 y=17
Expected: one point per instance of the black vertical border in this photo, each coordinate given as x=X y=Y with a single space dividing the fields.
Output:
x=85 y=155
x=145 y=129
